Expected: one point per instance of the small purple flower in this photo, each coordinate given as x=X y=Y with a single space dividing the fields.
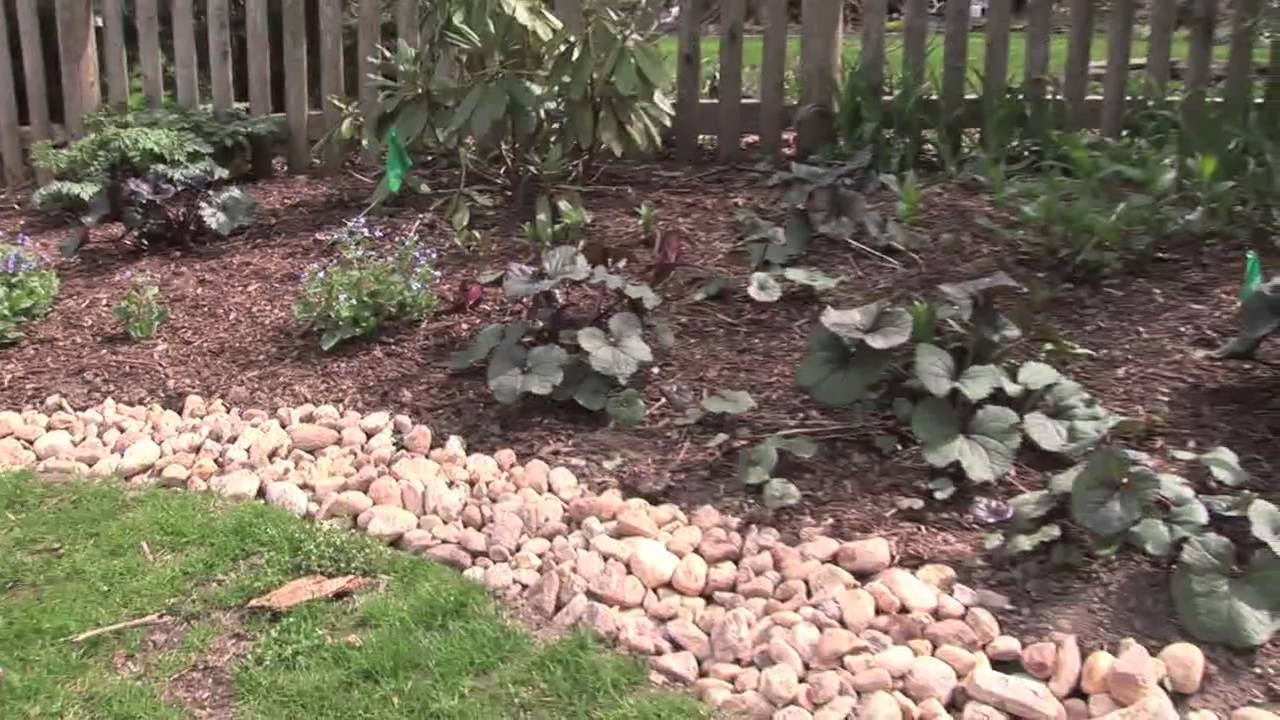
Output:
x=23 y=240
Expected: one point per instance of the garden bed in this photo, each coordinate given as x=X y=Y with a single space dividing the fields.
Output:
x=233 y=335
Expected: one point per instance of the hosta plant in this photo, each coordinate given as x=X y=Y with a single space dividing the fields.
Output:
x=1222 y=593
x=373 y=282
x=587 y=335
x=141 y=311
x=27 y=288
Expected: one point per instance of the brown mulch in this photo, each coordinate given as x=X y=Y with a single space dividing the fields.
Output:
x=233 y=335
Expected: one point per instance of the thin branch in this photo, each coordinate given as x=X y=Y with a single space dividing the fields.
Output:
x=152 y=619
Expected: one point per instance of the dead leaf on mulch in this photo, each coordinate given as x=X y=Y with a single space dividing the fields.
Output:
x=311 y=587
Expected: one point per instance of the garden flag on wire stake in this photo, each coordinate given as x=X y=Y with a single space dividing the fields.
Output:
x=1252 y=275
x=398 y=162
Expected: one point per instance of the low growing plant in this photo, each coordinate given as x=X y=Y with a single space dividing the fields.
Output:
x=27 y=288
x=142 y=310
x=367 y=287
x=585 y=337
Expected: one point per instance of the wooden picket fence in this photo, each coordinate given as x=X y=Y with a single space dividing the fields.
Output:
x=92 y=52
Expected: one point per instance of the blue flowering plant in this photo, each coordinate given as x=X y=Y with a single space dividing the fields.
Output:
x=141 y=311
x=374 y=281
x=28 y=287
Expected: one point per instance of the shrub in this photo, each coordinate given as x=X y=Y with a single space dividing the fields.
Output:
x=27 y=288
x=159 y=182
x=141 y=311
x=366 y=288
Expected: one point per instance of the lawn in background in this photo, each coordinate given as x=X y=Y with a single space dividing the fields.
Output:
x=428 y=645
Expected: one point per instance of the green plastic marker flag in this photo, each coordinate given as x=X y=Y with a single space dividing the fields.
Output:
x=1252 y=275
x=398 y=162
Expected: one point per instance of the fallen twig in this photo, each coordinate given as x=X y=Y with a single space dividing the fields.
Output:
x=146 y=552
x=152 y=619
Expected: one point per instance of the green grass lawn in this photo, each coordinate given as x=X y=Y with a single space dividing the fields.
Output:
x=428 y=645
x=753 y=48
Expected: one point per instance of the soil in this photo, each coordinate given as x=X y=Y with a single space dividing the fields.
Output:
x=233 y=335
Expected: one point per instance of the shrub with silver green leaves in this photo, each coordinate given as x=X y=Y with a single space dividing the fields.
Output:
x=27 y=288
x=371 y=284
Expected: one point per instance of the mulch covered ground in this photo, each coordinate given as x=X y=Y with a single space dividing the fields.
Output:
x=233 y=335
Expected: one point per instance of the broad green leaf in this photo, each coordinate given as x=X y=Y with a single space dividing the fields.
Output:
x=1019 y=543
x=756 y=463
x=565 y=262
x=1110 y=495
x=1264 y=523
x=877 y=325
x=1152 y=536
x=1214 y=605
x=1068 y=420
x=1225 y=467
x=592 y=391
x=934 y=421
x=779 y=493
x=626 y=407
x=764 y=287
x=513 y=371
x=835 y=374
x=714 y=286
x=1033 y=505
x=620 y=352
x=815 y=279
x=1037 y=375
x=799 y=445
x=1229 y=505
x=729 y=402
x=491 y=107
x=935 y=368
x=986 y=448
x=645 y=294
x=479 y=349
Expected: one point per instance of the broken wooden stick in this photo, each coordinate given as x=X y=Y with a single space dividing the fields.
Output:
x=152 y=619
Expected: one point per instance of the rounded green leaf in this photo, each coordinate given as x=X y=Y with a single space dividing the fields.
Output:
x=1035 y=375
x=934 y=421
x=1216 y=607
x=879 y=326
x=1153 y=537
x=756 y=463
x=620 y=352
x=815 y=279
x=729 y=402
x=935 y=369
x=1019 y=543
x=799 y=446
x=764 y=287
x=779 y=493
x=977 y=382
x=626 y=407
x=1110 y=493
x=1264 y=523
x=1033 y=505
x=835 y=374
x=1225 y=466
x=483 y=344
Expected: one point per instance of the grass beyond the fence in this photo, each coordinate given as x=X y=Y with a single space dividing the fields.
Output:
x=74 y=557
x=753 y=49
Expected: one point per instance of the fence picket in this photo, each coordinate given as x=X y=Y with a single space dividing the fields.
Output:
x=822 y=24
x=331 y=75
x=15 y=170
x=1199 y=55
x=1076 y=78
x=688 y=78
x=1115 y=84
x=995 y=70
x=368 y=37
x=219 y=21
x=773 y=71
x=407 y=28
x=1036 y=80
x=1159 y=45
x=871 y=55
x=114 y=53
x=1237 y=91
x=915 y=32
x=955 y=64
x=294 y=50
x=31 y=37
x=147 y=17
x=78 y=56
x=729 y=139
x=186 y=75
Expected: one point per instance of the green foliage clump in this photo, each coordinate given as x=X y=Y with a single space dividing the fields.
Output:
x=27 y=288
x=968 y=405
x=142 y=311
x=1221 y=592
x=365 y=288
x=591 y=358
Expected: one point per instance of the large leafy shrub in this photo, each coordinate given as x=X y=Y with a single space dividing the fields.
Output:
x=159 y=182
x=27 y=288
x=503 y=86
x=367 y=286
x=586 y=333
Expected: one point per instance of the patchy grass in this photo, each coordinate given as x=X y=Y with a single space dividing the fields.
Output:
x=429 y=644
x=753 y=52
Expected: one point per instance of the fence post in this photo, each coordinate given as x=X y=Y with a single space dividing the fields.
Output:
x=1036 y=81
x=729 y=137
x=33 y=67
x=331 y=77
x=995 y=77
x=258 y=45
x=688 y=79
x=955 y=65
x=1115 y=85
x=915 y=31
x=822 y=30
x=219 y=21
x=148 y=19
x=186 y=71
x=10 y=144
x=113 y=53
x=1160 y=42
x=294 y=49
x=1076 y=80
x=871 y=55
x=1196 y=79
x=78 y=53
x=368 y=37
x=773 y=72
x=1240 y=61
